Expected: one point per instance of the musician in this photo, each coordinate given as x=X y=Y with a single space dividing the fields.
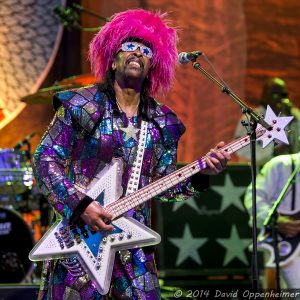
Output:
x=274 y=94
x=133 y=56
x=270 y=182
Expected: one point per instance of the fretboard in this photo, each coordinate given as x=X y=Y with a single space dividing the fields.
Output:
x=123 y=205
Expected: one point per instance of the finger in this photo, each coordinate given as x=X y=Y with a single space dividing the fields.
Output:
x=103 y=226
x=291 y=234
x=94 y=228
x=219 y=157
x=223 y=156
x=220 y=145
x=217 y=147
x=226 y=154
x=103 y=213
x=105 y=216
x=294 y=227
x=211 y=164
x=213 y=153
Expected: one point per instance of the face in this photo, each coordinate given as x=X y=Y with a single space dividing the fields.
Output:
x=275 y=94
x=131 y=65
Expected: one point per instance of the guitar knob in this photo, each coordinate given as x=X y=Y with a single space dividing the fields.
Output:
x=285 y=248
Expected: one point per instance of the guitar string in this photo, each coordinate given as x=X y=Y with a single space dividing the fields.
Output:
x=167 y=182
x=135 y=199
x=121 y=206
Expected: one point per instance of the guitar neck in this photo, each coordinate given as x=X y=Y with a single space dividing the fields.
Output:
x=123 y=205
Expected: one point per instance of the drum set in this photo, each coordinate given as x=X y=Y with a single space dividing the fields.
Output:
x=16 y=237
x=24 y=212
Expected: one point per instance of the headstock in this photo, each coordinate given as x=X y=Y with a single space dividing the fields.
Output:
x=277 y=133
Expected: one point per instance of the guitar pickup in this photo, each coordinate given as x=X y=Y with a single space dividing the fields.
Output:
x=60 y=240
x=70 y=244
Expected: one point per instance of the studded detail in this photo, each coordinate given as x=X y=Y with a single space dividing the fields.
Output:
x=91 y=109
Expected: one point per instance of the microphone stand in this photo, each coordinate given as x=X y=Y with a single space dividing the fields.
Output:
x=71 y=19
x=28 y=151
x=271 y=222
x=254 y=119
x=89 y=12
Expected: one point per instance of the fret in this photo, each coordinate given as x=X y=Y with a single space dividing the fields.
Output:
x=155 y=188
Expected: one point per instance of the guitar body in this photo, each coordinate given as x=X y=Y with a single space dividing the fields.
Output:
x=289 y=248
x=96 y=251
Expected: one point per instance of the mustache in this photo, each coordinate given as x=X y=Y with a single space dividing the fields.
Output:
x=136 y=59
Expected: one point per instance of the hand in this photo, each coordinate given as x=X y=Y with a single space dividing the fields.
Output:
x=282 y=149
x=288 y=226
x=216 y=160
x=97 y=218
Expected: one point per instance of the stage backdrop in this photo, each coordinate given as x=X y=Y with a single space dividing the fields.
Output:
x=205 y=240
x=29 y=39
x=246 y=41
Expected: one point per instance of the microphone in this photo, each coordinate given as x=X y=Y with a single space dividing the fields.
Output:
x=24 y=141
x=185 y=57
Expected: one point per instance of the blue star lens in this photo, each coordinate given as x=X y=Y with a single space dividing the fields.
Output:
x=132 y=46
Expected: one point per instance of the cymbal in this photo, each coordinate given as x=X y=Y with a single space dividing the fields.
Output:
x=84 y=79
x=45 y=95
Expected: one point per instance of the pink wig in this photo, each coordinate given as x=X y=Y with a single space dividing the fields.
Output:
x=150 y=27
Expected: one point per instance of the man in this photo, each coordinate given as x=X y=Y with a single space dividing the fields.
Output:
x=270 y=182
x=134 y=56
x=275 y=94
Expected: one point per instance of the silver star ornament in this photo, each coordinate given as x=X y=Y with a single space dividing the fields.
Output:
x=130 y=132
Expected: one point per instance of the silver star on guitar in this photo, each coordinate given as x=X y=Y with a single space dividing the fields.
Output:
x=130 y=132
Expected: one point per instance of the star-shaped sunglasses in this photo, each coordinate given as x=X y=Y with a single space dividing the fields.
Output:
x=132 y=46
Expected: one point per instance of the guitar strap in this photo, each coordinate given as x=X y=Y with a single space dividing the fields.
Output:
x=131 y=187
x=134 y=179
x=293 y=185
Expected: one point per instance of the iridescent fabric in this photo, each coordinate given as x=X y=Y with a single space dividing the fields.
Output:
x=84 y=135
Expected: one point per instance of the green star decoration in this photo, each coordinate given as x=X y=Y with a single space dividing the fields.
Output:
x=230 y=194
x=188 y=246
x=190 y=202
x=235 y=247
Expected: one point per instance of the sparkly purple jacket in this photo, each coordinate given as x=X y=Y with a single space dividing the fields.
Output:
x=85 y=135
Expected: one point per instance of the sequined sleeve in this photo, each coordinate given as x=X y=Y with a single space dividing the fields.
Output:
x=50 y=163
x=167 y=165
